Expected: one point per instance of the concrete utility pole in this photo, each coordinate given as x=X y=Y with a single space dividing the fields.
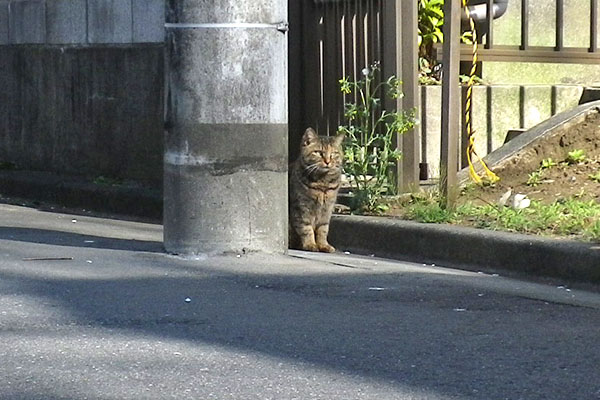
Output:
x=225 y=182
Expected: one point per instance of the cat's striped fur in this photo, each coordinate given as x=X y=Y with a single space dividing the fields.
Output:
x=314 y=181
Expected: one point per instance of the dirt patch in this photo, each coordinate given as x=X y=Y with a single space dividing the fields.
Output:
x=555 y=182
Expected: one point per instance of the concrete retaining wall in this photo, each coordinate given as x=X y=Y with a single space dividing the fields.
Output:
x=81 y=21
x=83 y=110
x=83 y=84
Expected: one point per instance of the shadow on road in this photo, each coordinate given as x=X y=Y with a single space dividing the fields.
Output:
x=59 y=238
x=402 y=329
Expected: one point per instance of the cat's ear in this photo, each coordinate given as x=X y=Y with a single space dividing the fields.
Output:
x=310 y=136
x=339 y=138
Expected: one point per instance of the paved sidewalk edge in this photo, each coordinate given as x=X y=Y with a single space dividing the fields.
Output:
x=446 y=245
x=75 y=192
x=477 y=249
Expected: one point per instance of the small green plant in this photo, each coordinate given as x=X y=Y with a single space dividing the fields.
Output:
x=595 y=177
x=575 y=157
x=103 y=180
x=5 y=165
x=548 y=163
x=534 y=178
x=430 y=213
x=371 y=131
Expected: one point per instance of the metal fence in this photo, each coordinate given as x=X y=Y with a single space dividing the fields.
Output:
x=559 y=53
x=331 y=39
x=339 y=38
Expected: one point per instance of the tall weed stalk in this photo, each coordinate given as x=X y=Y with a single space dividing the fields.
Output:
x=371 y=132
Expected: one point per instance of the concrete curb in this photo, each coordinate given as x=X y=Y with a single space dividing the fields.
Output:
x=127 y=199
x=447 y=245
x=472 y=248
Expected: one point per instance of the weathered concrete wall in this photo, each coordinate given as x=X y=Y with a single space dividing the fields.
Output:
x=81 y=21
x=83 y=84
x=90 y=111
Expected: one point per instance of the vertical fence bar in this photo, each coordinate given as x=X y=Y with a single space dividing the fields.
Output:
x=522 y=107
x=311 y=59
x=360 y=37
x=560 y=24
x=391 y=63
x=450 y=104
x=489 y=19
x=524 y=24
x=410 y=69
x=424 y=166
x=372 y=32
x=352 y=9
x=553 y=99
x=593 y=26
x=329 y=61
x=296 y=71
x=490 y=118
x=339 y=70
x=391 y=34
x=348 y=44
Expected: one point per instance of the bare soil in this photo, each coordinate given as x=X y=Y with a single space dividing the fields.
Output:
x=559 y=182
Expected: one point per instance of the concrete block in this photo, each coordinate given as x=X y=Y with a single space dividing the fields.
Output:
x=3 y=22
x=537 y=105
x=505 y=112
x=480 y=121
x=27 y=21
x=567 y=97
x=431 y=128
x=109 y=21
x=148 y=21
x=66 y=21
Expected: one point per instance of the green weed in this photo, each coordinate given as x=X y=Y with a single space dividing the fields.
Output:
x=370 y=151
x=548 y=163
x=534 y=178
x=575 y=157
x=595 y=177
x=103 y=180
x=5 y=165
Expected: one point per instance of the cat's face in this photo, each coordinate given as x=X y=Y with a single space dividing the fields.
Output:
x=322 y=154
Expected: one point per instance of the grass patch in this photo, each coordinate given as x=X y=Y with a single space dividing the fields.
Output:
x=571 y=218
x=107 y=181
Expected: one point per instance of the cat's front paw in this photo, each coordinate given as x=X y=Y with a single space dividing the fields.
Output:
x=326 y=248
x=310 y=247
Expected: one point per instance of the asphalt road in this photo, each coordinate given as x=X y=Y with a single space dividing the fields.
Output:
x=110 y=316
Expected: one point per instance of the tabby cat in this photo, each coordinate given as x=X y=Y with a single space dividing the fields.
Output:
x=314 y=181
